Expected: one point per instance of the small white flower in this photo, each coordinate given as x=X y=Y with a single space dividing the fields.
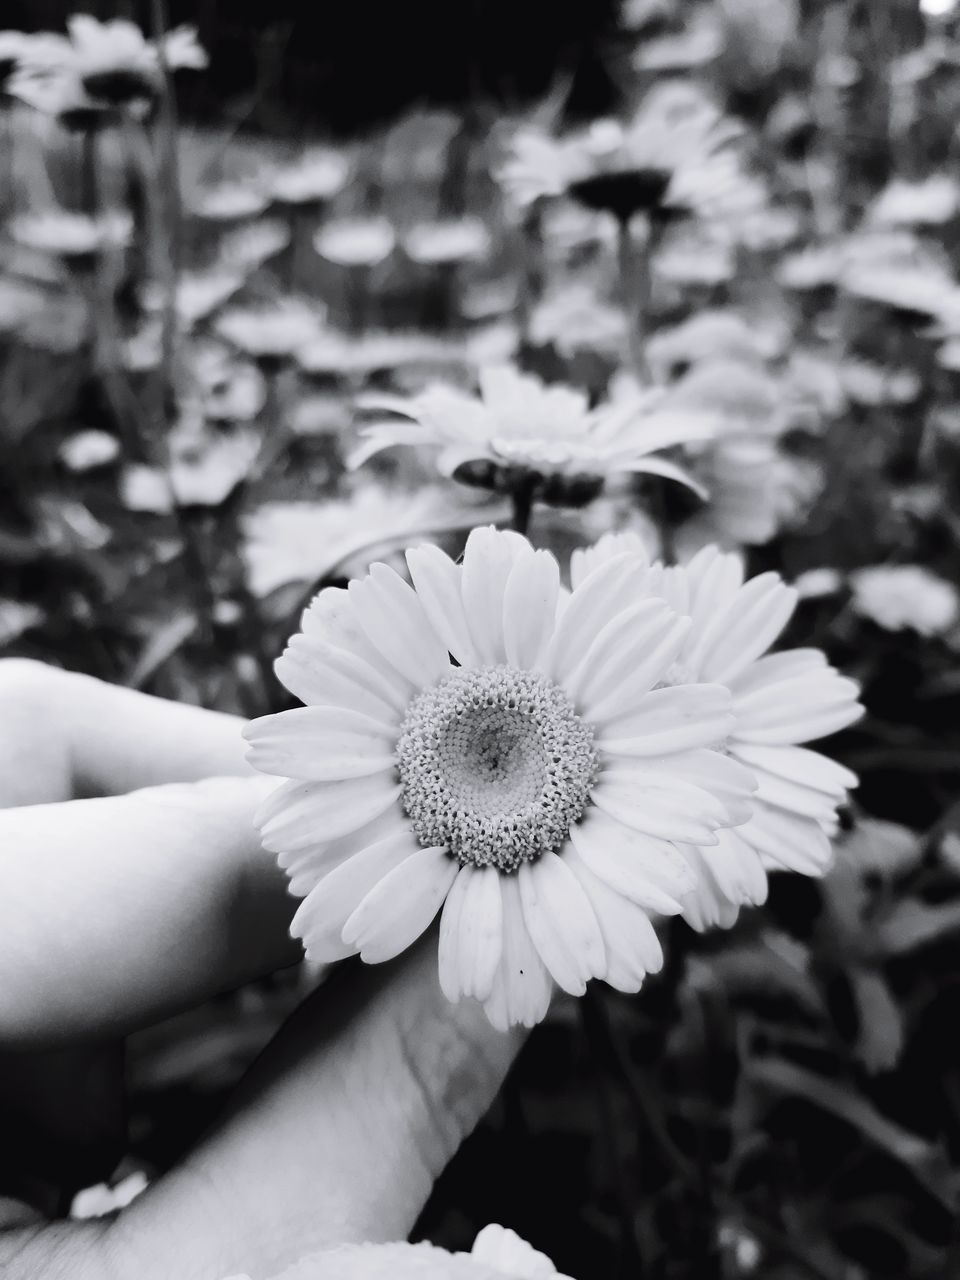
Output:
x=450 y=240
x=271 y=332
x=230 y=202
x=814 y=584
x=902 y=597
x=487 y=744
x=356 y=242
x=89 y=449
x=316 y=176
x=779 y=701
x=72 y=235
x=520 y=423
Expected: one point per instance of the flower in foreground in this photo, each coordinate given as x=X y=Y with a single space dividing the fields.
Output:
x=520 y=426
x=489 y=744
x=779 y=700
x=497 y=1254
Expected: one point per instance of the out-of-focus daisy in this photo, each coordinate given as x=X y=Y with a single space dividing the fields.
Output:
x=270 y=333
x=930 y=202
x=230 y=201
x=708 y=335
x=89 y=449
x=497 y=1254
x=356 y=242
x=658 y=160
x=572 y=319
x=116 y=63
x=317 y=176
x=12 y=46
x=55 y=90
x=227 y=389
x=695 y=47
x=199 y=294
x=16 y=618
x=484 y=743
x=248 y=248
x=447 y=241
x=72 y=236
x=525 y=427
x=779 y=701
x=901 y=597
x=817 y=584
x=306 y=541
x=203 y=472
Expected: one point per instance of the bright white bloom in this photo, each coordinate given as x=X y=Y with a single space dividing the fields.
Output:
x=497 y=1254
x=248 y=248
x=111 y=61
x=72 y=235
x=89 y=449
x=316 y=176
x=356 y=242
x=902 y=597
x=931 y=202
x=344 y=355
x=660 y=159
x=449 y=240
x=486 y=743
x=520 y=423
x=271 y=333
x=306 y=541
x=779 y=701
x=230 y=202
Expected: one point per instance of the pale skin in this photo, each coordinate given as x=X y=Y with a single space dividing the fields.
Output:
x=124 y=899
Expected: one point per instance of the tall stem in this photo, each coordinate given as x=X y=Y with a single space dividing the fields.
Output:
x=524 y=492
x=633 y=267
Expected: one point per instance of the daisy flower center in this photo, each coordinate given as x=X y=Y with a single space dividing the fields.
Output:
x=495 y=765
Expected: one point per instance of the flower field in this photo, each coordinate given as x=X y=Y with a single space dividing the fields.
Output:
x=570 y=505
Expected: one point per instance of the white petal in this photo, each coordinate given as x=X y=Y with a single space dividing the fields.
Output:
x=649 y=872
x=632 y=947
x=774 y=667
x=529 y=607
x=789 y=841
x=522 y=986
x=320 y=674
x=799 y=765
x=299 y=814
x=668 y=811
x=321 y=744
x=737 y=636
x=561 y=922
x=506 y=1252
x=394 y=621
x=668 y=720
x=400 y=906
x=720 y=776
x=619 y=647
x=713 y=580
x=798 y=710
x=321 y=916
x=481 y=932
x=437 y=580
x=331 y=617
x=612 y=587
x=306 y=867
x=617 y=688
x=488 y=559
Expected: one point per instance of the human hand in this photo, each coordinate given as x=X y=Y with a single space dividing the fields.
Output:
x=146 y=896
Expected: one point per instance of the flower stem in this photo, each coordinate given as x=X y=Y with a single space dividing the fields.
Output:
x=523 y=494
x=633 y=268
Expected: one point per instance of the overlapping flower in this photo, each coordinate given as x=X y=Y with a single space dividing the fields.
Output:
x=546 y=768
x=521 y=425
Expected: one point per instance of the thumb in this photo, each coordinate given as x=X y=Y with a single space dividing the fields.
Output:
x=339 y=1132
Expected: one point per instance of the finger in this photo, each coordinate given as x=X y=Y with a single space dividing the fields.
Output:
x=337 y=1135
x=118 y=911
x=64 y=735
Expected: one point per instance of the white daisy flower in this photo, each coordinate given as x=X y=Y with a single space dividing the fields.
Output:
x=658 y=160
x=271 y=333
x=901 y=597
x=356 y=242
x=486 y=743
x=522 y=425
x=780 y=700
x=62 y=233
x=318 y=175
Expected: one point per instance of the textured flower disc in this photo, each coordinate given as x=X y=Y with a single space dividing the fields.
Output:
x=495 y=765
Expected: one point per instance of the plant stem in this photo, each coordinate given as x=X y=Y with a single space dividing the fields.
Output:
x=633 y=267
x=523 y=494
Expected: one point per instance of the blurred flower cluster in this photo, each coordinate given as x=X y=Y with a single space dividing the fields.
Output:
x=602 y=445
